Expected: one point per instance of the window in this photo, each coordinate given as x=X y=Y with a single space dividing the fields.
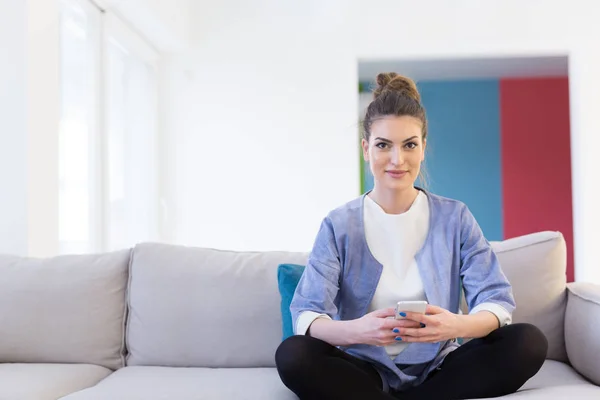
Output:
x=131 y=105
x=79 y=168
x=108 y=195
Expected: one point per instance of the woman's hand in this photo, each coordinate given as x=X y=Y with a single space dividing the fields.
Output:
x=440 y=325
x=380 y=328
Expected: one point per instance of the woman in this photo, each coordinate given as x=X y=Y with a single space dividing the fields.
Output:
x=400 y=242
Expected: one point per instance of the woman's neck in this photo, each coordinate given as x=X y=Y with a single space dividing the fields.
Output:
x=394 y=201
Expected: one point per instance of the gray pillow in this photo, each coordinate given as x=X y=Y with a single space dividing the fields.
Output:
x=66 y=309
x=536 y=265
x=195 y=307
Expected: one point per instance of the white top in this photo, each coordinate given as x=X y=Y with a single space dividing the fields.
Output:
x=394 y=240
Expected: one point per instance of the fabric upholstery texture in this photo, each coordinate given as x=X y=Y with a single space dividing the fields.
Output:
x=192 y=307
x=582 y=329
x=536 y=265
x=66 y=309
x=288 y=276
x=47 y=381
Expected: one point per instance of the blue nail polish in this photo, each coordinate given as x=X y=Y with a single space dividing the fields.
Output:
x=422 y=325
x=403 y=314
x=396 y=330
x=399 y=339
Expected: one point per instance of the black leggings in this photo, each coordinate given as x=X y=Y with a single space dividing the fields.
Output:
x=496 y=365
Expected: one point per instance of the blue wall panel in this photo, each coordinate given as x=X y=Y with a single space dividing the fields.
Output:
x=463 y=156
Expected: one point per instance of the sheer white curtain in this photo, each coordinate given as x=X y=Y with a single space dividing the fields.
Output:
x=79 y=133
x=132 y=157
x=108 y=195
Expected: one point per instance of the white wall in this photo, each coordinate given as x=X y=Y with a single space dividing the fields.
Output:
x=29 y=96
x=165 y=24
x=262 y=110
x=43 y=116
x=262 y=121
x=13 y=144
x=584 y=82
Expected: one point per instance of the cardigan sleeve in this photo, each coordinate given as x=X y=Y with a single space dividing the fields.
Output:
x=485 y=285
x=318 y=288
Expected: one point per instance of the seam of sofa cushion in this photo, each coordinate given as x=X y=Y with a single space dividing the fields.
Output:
x=558 y=235
x=582 y=297
x=126 y=352
x=125 y=311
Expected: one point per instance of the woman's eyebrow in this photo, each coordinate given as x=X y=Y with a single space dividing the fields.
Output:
x=389 y=141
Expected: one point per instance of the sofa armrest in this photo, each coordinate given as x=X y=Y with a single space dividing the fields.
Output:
x=582 y=329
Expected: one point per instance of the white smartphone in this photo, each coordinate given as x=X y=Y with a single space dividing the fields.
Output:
x=412 y=306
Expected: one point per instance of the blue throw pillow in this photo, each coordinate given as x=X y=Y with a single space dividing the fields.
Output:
x=288 y=276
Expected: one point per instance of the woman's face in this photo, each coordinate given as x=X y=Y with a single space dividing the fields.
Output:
x=395 y=151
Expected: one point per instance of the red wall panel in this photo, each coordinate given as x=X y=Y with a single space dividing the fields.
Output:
x=536 y=158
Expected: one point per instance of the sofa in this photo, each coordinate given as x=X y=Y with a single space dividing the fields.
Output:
x=161 y=321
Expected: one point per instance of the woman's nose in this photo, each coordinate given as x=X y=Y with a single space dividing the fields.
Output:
x=397 y=157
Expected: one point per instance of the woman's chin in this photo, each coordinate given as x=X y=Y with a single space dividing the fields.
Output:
x=396 y=184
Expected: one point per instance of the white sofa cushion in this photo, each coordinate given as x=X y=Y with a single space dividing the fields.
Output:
x=47 y=381
x=536 y=266
x=555 y=380
x=556 y=374
x=193 y=307
x=582 y=329
x=66 y=309
x=167 y=383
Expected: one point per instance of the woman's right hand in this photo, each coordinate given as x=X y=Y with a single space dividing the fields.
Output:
x=377 y=327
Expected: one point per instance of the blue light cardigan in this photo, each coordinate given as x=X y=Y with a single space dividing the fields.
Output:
x=342 y=274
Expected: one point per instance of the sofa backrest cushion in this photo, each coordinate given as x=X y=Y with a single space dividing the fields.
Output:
x=535 y=265
x=195 y=307
x=65 y=309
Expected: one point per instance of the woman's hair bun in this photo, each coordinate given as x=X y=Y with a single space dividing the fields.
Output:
x=392 y=82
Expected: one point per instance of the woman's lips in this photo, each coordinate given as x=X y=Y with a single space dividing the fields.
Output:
x=396 y=173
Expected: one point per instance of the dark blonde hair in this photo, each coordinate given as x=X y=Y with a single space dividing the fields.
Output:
x=396 y=95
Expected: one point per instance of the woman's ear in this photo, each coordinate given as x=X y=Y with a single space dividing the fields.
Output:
x=365 y=148
x=424 y=147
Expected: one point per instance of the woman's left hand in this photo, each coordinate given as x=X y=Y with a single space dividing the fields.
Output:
x=438 y=325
